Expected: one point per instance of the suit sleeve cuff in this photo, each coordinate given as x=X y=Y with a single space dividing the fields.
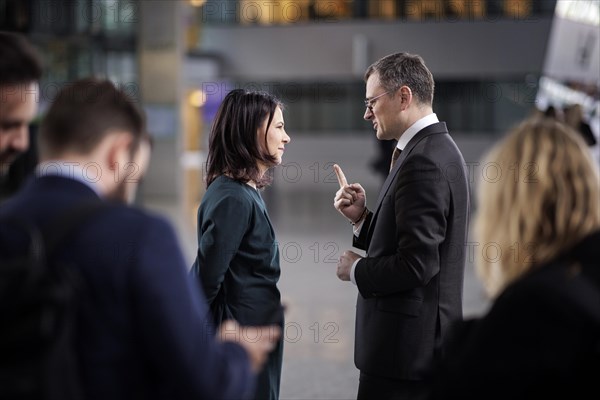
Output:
x=352 y=278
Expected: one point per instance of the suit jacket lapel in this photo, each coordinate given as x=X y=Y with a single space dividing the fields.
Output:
x=439 y=127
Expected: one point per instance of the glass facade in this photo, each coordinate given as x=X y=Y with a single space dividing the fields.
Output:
x=78 y=38
x=281 y=12
x=335 y=107
x=478 y=107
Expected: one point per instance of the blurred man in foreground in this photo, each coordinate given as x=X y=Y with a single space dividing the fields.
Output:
x=142 y=330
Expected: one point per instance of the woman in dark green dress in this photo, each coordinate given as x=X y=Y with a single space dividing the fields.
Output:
x=238 y=256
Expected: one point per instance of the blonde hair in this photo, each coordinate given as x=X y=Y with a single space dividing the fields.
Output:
x=540 y=195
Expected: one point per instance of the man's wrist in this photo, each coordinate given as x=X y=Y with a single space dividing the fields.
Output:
x=362 y=217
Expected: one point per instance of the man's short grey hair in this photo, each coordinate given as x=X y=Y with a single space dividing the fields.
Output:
x=404 y=69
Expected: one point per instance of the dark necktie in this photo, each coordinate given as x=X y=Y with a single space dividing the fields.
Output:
x=395 y=156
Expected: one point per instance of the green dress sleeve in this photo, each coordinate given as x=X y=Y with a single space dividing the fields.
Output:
x=221 y=228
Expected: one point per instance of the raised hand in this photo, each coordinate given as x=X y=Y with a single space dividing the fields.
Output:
x=350 y=200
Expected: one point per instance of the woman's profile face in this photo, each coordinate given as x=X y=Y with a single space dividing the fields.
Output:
x=276 y=137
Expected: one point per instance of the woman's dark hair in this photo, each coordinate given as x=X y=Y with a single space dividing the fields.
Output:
x=234 y=148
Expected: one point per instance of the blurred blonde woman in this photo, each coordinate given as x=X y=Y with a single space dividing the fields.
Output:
x=537 y=227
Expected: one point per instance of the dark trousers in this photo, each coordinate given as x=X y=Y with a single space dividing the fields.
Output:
x=375 y=387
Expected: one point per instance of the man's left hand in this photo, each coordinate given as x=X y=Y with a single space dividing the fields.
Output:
x=344 y=265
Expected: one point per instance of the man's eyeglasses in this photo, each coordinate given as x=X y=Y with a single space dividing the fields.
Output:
x=370 y=102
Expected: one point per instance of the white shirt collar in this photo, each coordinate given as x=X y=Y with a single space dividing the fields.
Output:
x=416 y=128
x=89 y=174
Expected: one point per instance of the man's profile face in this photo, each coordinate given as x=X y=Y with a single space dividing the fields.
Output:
x=382 y=111
x=18 y=107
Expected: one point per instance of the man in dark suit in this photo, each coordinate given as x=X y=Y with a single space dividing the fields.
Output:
x=142 y=331
x=410 y=281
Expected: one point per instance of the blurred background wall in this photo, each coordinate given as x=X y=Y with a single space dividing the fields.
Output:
x=494 y=62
